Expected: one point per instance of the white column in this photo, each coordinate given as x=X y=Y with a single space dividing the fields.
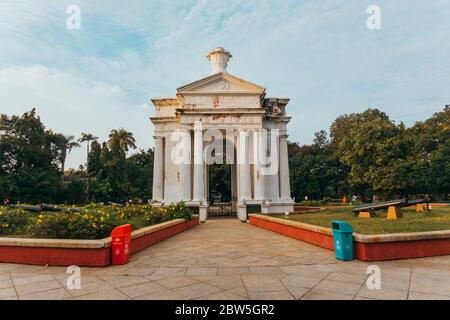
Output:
x=271 y=179
x=285 y=189
x=185 y=167
x=158 y=170
x=199 y=182
x=259 y=149
x=245 y=192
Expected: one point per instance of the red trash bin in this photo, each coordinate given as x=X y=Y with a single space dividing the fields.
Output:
x=121 y=244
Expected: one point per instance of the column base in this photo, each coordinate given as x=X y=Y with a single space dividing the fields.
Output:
x=280 y=206
x=242 y=212
x=203 y=212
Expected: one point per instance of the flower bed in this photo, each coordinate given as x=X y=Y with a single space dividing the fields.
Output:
x=89 y=222
x=81 y=236
x=90 y=253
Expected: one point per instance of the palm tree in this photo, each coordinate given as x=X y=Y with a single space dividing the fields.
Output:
x=70 y=144
x=66 y=144
x=123 y=138
x=87 y=137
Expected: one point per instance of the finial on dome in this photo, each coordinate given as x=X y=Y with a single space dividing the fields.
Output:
x=219 y=58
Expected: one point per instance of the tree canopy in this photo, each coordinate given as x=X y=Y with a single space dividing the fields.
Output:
x=364 y=154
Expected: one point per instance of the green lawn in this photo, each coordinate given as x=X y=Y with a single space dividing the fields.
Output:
x=437 y=219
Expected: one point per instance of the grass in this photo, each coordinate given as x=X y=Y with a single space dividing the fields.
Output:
x=437 y=219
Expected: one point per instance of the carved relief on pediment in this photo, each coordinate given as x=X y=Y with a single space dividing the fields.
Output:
x=221 y=119
x=223 y=101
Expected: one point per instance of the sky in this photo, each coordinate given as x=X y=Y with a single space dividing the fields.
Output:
x=318 y=53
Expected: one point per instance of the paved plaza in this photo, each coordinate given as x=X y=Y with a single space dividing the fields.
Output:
x=227 y=259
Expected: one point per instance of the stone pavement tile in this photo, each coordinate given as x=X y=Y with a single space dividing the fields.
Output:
x=85 y=279
x=5 y=276
x=7 y=267
x=267 y=270
x=162 y=273
x=426 y=296
x=339 y=287
x=270 y=295
x=383 y=293
x=141 y=289
x=395 y=283
x=222 y=282
x=233 y=270
x=223 y=295
x=294 y=281
x=6 y=284
x=307 y=271
x=296 y=291
x=432 y=273
x=89 y=288
x=163 y=294
x=347 y=277
x=37 y=287
x=197 y=290
x=363 y=298
x=265 y=262
x=140 y=271
x=7 y=293
x=318 y=294
x=124 y=281
x=433 y=282
x=199 y=271
x=176 y=282
x=54 y=294
x=395 y=273
x=104 y=295
x=25 y=269
x=31 y=278
x=262 y=283
x=240 y=291
x=245 y=261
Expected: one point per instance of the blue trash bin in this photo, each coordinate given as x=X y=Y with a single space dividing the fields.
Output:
x=343 y=240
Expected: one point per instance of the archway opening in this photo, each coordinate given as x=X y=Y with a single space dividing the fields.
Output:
x=221 y=183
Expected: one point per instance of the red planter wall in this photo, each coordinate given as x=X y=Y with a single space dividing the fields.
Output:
x=150 y=239
x=56 y=256
x=401 y=249
x=82 y=256
x=316 y=238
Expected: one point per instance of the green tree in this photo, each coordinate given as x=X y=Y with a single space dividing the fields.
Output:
x=30 y=159
x=123 y=139
x=87 y=137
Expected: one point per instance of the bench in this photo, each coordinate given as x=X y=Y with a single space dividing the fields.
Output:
x=394 y=207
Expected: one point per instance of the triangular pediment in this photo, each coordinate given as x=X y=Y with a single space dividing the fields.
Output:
x=223 y=83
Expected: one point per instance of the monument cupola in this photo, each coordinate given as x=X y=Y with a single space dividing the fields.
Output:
x=219 y=58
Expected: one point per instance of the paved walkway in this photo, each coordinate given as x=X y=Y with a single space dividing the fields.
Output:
x=226 y=259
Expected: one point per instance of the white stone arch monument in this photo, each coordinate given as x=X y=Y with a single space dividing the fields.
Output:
x=240 y=111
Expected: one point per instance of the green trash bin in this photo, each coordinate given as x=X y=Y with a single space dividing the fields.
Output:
x=343 y=240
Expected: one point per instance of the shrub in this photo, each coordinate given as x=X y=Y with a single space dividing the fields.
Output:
x=97 y=221
x=13 y=221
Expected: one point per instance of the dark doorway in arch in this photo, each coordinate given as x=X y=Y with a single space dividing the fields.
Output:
x=220 y=196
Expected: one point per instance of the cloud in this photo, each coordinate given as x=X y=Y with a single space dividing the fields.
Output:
x=70 y=104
